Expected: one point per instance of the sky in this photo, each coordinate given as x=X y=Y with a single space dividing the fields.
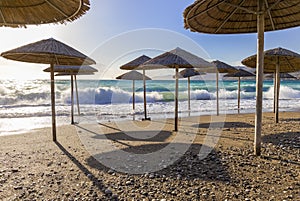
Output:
x=114 y=32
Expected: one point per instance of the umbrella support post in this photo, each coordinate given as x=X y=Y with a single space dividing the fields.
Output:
x=259 y=77
x=176 y=100
x=77 y=99
x=277 y=91
x=239 y=94
x=53 y=103
x=72 y=100
x=133 y=96
x=189 y=94
x=217 y=91
x=145 y=98
x=274 y=95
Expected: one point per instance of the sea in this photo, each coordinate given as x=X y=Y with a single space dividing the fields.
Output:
x=25 y=104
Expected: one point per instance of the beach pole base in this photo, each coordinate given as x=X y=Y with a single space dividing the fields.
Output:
x=146 y=119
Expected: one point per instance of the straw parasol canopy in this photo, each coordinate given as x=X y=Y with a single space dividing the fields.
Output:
x=240 y=73
x=72 y=70
x=48 y=51
x=240 y=16
x=134 y=64
x=289 y=60
x=133 y=75
x=221 y=67
x=188 y=73
x=73 y=74
x=278 y=60
x=282 y=76
x=78 y=73
x=19 y=13
x=176 y=58
x=53 y=52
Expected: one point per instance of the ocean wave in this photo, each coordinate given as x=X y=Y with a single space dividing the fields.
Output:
x=201 y=95
x=285 y=93
x=111 y=95
x=38 y=93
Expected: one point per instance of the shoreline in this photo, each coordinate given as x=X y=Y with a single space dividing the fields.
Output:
x=36 y=168
x=25 y=123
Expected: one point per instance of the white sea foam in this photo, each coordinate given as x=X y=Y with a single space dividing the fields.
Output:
x=109 y=99
x=285 y=92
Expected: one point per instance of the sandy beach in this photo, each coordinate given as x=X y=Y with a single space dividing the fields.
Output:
x=35 y=168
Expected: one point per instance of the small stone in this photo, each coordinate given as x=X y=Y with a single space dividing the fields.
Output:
x=114 y=196
x=18 y=187
x=14 y=170
x=108 y=192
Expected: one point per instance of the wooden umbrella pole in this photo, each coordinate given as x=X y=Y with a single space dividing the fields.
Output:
x=145 y=98
x=176 y=99
x=259 y=77
x=133 y=96
x=77 y=99
x=53 y=102
x=274 y=85
x=217 y=83
x=239 y=94
x=277 y=90
x=72 y=100
x=189 y=94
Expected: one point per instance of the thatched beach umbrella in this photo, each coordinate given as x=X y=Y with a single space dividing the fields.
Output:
x=282 y=76
x=72 y=92
x=188 y=73
x=224 y=17
x=240 y=73
x=53 y=52
x=221 y=67
x=271 y=72
x=19 y=13
x=279 y=60
x=73 y=71
x=132 y=65
x=133 y=75
x=177 y=58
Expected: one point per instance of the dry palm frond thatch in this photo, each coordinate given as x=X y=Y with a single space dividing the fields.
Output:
x=19 y=13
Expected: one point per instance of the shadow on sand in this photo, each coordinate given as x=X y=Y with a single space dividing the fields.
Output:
x=287 y=144
x=223 y=125
x=289 y=139
x=96 y=181
x=187 y=166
